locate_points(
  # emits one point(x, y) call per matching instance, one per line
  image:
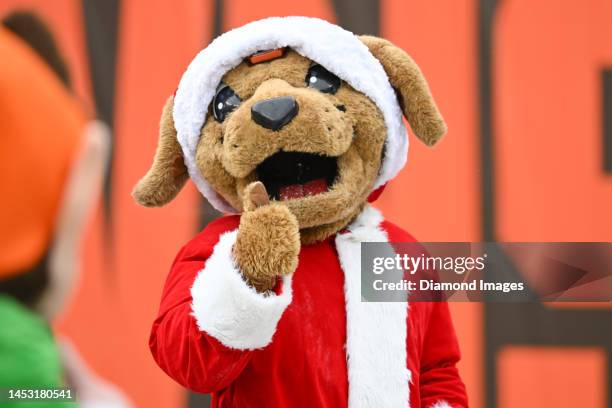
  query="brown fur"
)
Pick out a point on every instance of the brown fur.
point(268, 245)
point(255, 196)
point(406, 77)
point(229, 152)
point(168, 173)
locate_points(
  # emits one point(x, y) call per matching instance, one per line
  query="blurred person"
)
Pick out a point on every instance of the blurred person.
point(52, 160)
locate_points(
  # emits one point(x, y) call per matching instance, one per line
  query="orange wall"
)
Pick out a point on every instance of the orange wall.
point(548, 120)
point(550, 183)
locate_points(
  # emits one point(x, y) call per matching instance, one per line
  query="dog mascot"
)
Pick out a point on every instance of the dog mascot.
point(293, 125)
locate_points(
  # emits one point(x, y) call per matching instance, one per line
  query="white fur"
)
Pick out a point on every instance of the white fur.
point(441, 404)
point(376, 332)
point(338, 50)
point(228, 309)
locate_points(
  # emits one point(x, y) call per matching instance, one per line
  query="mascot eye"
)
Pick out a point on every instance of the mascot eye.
point(224, 102)
point(321, 79)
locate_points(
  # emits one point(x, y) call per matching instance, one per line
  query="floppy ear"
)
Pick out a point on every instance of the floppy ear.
point(412, 89)
point(168, 173)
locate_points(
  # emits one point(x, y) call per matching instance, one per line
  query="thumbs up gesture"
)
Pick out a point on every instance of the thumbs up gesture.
point(268, 242)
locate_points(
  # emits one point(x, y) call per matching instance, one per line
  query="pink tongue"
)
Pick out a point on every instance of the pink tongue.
point(311, 188)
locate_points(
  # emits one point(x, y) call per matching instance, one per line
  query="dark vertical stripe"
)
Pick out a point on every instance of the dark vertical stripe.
point(359, 16)
point(218, 18)
point(607, 120)
point(195, 400)
point(101, 31)
point(486, 13)
point(207, 212)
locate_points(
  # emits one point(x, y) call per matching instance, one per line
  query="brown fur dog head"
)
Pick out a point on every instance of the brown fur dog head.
point(315, 142)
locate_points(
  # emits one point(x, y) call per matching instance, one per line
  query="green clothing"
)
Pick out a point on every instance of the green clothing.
point(29, 357)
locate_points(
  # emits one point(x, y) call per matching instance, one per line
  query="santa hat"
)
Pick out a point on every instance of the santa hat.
point(338, 50)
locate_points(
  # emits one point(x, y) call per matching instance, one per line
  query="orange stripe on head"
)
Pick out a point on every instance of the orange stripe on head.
point(265, 56)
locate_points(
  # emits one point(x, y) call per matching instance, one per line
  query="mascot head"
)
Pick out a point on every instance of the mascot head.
point(309, 109)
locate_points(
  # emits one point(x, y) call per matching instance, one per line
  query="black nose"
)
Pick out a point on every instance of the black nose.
point(274, 113)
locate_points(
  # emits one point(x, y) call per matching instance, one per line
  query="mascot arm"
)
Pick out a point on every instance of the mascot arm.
point(210, 320)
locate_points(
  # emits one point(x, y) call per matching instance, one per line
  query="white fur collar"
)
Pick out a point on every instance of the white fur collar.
point(376, 332)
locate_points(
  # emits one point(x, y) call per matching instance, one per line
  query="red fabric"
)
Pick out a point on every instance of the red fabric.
point(376, 193)
point(305, 365)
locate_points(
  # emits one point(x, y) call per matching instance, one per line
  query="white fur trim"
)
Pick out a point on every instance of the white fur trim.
point(376, 332)
point(228, 309)
point(338, 50)
point(441, 404)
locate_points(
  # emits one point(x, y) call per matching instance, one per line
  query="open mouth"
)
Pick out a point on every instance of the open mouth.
point(290, 175)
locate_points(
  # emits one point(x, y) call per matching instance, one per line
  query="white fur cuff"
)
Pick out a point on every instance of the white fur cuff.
point(441, 404)
point(229, 310)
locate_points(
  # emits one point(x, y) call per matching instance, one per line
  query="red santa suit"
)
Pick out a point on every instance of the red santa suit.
point(313, 343)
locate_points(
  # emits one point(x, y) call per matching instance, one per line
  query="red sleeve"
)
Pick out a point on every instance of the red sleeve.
point(439, 378)
point(193, 358)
